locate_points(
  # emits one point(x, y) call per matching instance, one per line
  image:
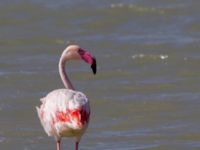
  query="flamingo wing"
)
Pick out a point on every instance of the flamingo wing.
point(64, 112)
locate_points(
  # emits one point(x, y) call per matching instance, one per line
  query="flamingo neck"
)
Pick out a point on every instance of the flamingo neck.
point(67, 83)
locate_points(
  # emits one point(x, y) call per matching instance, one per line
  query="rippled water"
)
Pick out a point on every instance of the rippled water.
point(145, 95)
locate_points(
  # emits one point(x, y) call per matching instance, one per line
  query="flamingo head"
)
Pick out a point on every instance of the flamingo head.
point(76, 52)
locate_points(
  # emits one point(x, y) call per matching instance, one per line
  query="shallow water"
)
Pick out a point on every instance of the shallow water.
point(145, 95)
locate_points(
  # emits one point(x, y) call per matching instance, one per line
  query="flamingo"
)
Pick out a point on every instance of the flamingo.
point(66, 112)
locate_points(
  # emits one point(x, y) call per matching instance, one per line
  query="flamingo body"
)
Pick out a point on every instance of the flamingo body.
point(64, 113)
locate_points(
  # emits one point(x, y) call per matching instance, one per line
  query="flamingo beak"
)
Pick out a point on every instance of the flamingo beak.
point(87, 57)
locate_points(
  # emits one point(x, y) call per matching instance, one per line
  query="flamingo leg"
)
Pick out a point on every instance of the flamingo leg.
point(58, 145)
point(77, 143)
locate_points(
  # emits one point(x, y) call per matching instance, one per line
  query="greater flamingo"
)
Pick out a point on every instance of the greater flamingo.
point(66, 112)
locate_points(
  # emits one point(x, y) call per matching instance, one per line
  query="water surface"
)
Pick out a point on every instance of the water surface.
point(145, 95)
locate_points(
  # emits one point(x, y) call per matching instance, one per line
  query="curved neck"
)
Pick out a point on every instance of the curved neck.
point(63, 75)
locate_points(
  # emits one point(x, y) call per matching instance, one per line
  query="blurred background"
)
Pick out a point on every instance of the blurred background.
point(145, 95)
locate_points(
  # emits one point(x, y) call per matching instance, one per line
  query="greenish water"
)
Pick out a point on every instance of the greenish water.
point(145, 95)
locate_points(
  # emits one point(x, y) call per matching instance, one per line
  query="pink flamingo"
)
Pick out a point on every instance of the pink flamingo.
point(66, 112)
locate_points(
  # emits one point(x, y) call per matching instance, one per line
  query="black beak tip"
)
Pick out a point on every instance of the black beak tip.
point(94, 66)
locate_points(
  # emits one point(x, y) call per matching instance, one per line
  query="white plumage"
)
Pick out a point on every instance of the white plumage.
point(63, 101)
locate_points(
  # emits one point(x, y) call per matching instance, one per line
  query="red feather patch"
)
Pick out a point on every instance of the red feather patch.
point(79, 115)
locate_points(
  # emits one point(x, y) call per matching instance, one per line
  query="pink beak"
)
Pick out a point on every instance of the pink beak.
point(87, 57)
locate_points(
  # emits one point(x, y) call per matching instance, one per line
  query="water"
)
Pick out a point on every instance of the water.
point(145, 95)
